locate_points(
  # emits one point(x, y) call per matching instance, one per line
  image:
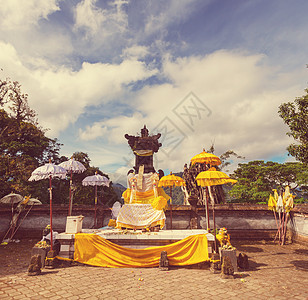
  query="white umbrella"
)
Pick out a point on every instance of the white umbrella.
point(48, 171)
point(11, 198)
point(73, 166)
point(34, 201)
point(96, 180)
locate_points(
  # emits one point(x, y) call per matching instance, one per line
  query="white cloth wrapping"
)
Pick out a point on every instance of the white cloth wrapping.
point(147, 182)
point(139, 215)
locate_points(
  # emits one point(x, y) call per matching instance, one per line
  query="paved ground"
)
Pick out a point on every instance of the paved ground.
point(276, 272)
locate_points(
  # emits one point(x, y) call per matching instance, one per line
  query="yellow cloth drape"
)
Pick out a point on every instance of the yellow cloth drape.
point(94, 250)
point(144, 197)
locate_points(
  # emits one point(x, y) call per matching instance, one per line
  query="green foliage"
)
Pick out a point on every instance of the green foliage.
point(295, 115)
point(24, 147)
point(257, 179)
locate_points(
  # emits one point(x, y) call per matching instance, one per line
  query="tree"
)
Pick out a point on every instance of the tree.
point(257, 179)
point(23, 145)
point(295, 115)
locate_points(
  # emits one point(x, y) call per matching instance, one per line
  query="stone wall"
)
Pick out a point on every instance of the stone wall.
point(243, 221)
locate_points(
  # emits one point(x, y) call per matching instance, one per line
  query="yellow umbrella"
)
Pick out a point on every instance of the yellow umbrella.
point(207, 158)
point(272, 203)
point(209, 178)
point(171, 180)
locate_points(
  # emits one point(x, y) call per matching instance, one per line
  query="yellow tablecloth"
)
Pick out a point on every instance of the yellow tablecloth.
point(140, 216)
point(94, 250)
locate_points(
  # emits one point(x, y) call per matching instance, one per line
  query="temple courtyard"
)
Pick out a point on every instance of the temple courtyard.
point(275, 272)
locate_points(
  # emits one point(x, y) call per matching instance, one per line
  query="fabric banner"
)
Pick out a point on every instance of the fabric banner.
point(94, 250)
point(139, 216)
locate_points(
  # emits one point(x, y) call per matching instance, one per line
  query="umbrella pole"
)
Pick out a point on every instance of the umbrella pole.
point(95, 206)
point(70, 197)
point(50, 203)
point(207, 211)
point(22, 220)
point(170, 207)
point(276, 225)
point(285, 228)
point(214, 223)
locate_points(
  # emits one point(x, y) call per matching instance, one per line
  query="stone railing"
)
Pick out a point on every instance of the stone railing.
point(243, 221)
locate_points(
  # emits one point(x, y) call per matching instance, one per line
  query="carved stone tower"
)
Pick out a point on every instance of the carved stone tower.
point(144, 147)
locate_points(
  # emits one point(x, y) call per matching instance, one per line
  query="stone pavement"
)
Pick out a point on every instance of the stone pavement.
point(276, 272)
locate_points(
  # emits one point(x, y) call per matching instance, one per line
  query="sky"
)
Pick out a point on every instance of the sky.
point(200, 72)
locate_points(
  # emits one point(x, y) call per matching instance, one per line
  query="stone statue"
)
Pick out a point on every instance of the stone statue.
point(144, 146)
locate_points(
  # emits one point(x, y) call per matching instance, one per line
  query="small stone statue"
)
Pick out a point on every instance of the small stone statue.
point(51, 260)
point(227, 270)
point(242, 261)
point(193, 224)
point(215, 263)
point(163, 261)
point(35, 265)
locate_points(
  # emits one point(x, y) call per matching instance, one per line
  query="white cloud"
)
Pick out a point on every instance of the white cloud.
point(100, 22)
point(60, 96)
point(92, 132)
point(89, 16)
point(243, 94)
point(18, 14)
point(135, 51)
point(172, 12)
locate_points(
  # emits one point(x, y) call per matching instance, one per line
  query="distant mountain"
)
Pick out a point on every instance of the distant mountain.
point(119, 189)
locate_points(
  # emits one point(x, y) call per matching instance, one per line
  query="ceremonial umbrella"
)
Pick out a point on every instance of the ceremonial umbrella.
point(95, 180)
point(207, 158)
point(73, 166)
point(26, 202)
point(212, 160)
point(11, 198)
point(48, 171)
point(209, 178)
point(171, 180)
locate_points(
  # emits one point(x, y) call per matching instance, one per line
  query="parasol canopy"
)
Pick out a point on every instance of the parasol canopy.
point(34, 201)
point(210, 178)
point(207, 158)
point(73, 166)
point(96, 180)
point(48, 171)
point(213, 177)
point(11, 198)
point(171, 180)
point(272, 203)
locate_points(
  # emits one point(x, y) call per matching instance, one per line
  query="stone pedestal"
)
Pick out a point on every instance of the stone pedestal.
point(42, 252)
point(231, 254)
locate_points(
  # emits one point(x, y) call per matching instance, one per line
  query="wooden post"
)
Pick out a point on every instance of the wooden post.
point(70, 206)
point(170, 207)
point(50, 203)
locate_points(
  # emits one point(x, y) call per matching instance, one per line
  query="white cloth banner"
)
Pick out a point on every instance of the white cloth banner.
point(139, 215)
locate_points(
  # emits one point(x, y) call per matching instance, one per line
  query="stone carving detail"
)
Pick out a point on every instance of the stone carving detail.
point(163, 261)
point(227, 270)
point(35, 265)
point(144, 146)
point(242, 261)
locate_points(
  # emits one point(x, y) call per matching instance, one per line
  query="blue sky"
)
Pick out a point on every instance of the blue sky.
point(199, 72)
